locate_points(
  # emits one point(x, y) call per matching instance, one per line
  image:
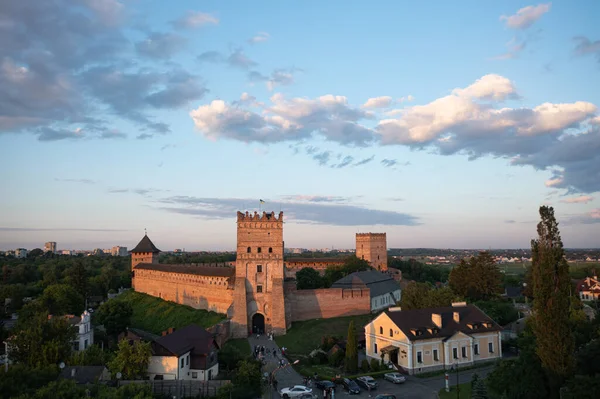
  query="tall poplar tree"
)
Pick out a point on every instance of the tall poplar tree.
point(551, 290)
point(351, 350)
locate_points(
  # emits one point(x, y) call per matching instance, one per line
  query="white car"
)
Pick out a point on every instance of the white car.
point(396, 378)
point(295, 391)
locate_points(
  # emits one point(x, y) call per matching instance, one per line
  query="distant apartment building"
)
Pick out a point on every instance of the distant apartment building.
point(67, 252)
point(118, 251)
point(50, 246)
point(21, 253)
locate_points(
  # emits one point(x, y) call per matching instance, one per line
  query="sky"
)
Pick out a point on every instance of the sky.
point(444, 124)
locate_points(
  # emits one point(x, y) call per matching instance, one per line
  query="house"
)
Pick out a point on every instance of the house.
point(85, 331)
point(424, 340)
point(85, 374)
point(384, 289)
point(512, 330)
point(588, 288)
point(186, 354)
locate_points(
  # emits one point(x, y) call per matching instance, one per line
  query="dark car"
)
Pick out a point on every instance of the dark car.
point(351, 386)
point(367, 382)
point(385, 396)
point(324, 384)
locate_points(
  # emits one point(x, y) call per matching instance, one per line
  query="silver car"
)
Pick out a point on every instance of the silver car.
point(396, 378)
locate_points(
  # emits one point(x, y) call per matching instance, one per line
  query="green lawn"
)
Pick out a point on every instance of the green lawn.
point(304, 336)
point(464, 393)
point(156, 315)
point(241, 344)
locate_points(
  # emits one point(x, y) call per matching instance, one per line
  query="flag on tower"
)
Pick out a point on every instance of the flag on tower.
point(262, 202)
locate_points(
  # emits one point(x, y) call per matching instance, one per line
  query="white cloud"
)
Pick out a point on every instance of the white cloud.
point(259, 37)
point(582, 199)
point(406, 99)
point(195, 19)
point(554, 182)
point(526, 16)
point(378, 102)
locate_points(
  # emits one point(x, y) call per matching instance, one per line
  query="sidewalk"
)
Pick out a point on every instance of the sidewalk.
point(439, 382)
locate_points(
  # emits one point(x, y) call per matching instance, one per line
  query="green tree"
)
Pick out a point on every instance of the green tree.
point(581, 387)
point(78, 278)
point(115, 315)
point(92, 356)
point(308, 279)
point(229, 357)
point(502, 312)
point(38, 341)
point(354, 264)
point(34, 253)
point(351, 362)
point(422, 295)
point(131, 360)
point(479, 391)
point(62, 299)
point(20, 379)
point(247, 380)
point(477, 279)
point(551, 306)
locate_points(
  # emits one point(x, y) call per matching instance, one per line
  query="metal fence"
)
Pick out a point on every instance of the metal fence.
point(182, 388)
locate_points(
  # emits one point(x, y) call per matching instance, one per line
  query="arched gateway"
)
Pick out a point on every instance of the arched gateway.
point(258, 323)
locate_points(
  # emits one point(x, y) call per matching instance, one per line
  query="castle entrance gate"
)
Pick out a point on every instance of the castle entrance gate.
point(258, 323)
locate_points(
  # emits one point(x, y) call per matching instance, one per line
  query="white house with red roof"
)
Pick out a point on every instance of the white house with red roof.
point(588, 288)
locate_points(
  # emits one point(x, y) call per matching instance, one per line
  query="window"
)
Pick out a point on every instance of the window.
point(391, 332)
point(258, 268)
point(194, 374)
point(476, 349)
point(436, 357)
point(85, 344)
point(259, 288)
point(419, 357)
point(464, 351)
point(259, 250)
point(249, 250)
point(182, 359)
point(187, 360)
point(380, 328)
point(270, 250)
point(491, 347)
point(375, 348)
point(455, 353)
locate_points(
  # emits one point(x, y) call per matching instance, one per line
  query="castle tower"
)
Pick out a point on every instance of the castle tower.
point(372, 247)
point(144, 252)
point(258, 302)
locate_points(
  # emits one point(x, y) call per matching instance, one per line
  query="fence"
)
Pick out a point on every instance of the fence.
point(182, 388)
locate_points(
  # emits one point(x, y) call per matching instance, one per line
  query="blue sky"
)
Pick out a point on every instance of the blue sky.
point(444, 124)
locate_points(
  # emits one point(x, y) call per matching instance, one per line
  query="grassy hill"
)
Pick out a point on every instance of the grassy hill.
point(156, 315)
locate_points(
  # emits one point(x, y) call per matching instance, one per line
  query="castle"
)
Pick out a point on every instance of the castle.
point(252, 290)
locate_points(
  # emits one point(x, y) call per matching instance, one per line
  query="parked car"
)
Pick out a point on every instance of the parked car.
point(385, 396)
point(295, 391)
point(367, 382)
point(324, 384)
point(351, 386)
point(396, 378)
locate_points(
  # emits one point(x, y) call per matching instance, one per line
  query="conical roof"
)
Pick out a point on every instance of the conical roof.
point(145, 245)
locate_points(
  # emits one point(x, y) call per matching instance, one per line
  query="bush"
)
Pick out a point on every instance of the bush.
point(337, 358)
point(364, 366)
point(327, 342)
point(318, 356)
point(375, 365)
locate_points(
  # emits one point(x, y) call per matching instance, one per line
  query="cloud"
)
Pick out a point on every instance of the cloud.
point(510, 221)
point(146, 192)
point(388, 163)
point(378, 102)
point(314, 198)
point(259, 38)
point(144, 136)
point(526, 16)
point(591, 217)
point(582, 199)
point(553, 182)
point(322, 157)
point(16, 229)
point(235, 59)
point(406, 99)
point(299, 212)
point(160, 45)
point(51, 134)
point(195, 19)
point(364, 161)
point(211, 56)
point(113, 134)
point(278, 77)
point(82, 181)
point(586, 47)
point(396, 199)
point(515, 47)
point(284, 119)
point(346, 161)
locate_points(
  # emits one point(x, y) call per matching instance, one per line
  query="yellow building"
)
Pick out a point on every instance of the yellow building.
point(424, 340)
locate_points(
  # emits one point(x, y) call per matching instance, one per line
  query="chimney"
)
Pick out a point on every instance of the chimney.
point(170, 330)
point(458, 304)
point(73, 371)
point(457, 317)
point(395, 309)
point(164, 333)
point(436, 318)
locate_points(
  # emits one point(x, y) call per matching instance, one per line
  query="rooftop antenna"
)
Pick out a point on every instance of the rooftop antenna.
point(145, 232)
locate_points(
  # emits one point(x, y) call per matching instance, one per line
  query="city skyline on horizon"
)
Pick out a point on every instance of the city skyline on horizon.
point(445, 126)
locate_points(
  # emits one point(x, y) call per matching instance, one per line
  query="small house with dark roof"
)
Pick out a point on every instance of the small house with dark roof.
point(84, 375)
point(189, 353)
point(423, 340)
point(384, 289)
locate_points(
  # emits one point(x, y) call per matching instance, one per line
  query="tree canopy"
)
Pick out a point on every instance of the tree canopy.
point(422, 295)
point(477, 279)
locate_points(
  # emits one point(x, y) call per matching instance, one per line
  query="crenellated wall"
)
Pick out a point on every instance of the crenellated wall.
point(327, 303)
point(200, 292)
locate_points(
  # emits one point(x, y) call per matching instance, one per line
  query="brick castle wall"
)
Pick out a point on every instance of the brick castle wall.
point(292, 267)
point(327, 303)
point(200, 292)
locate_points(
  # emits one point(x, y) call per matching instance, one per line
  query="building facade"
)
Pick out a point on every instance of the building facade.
point(384, 290)
point(423, 340)
point(118, 251)
point(372, 247)
point(252, 291)
point(50, 246)
point(588, 288)
point(21, 253)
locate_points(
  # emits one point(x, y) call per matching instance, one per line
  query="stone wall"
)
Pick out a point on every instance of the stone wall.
point(221, 331)
point(372, 247)
point(199, 292)
point(327, 303)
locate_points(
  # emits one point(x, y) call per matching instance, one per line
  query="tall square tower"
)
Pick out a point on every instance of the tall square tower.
point(372, 247)
point(258, 302)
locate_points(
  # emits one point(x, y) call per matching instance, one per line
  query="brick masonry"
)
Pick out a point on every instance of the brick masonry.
point(327, 303)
